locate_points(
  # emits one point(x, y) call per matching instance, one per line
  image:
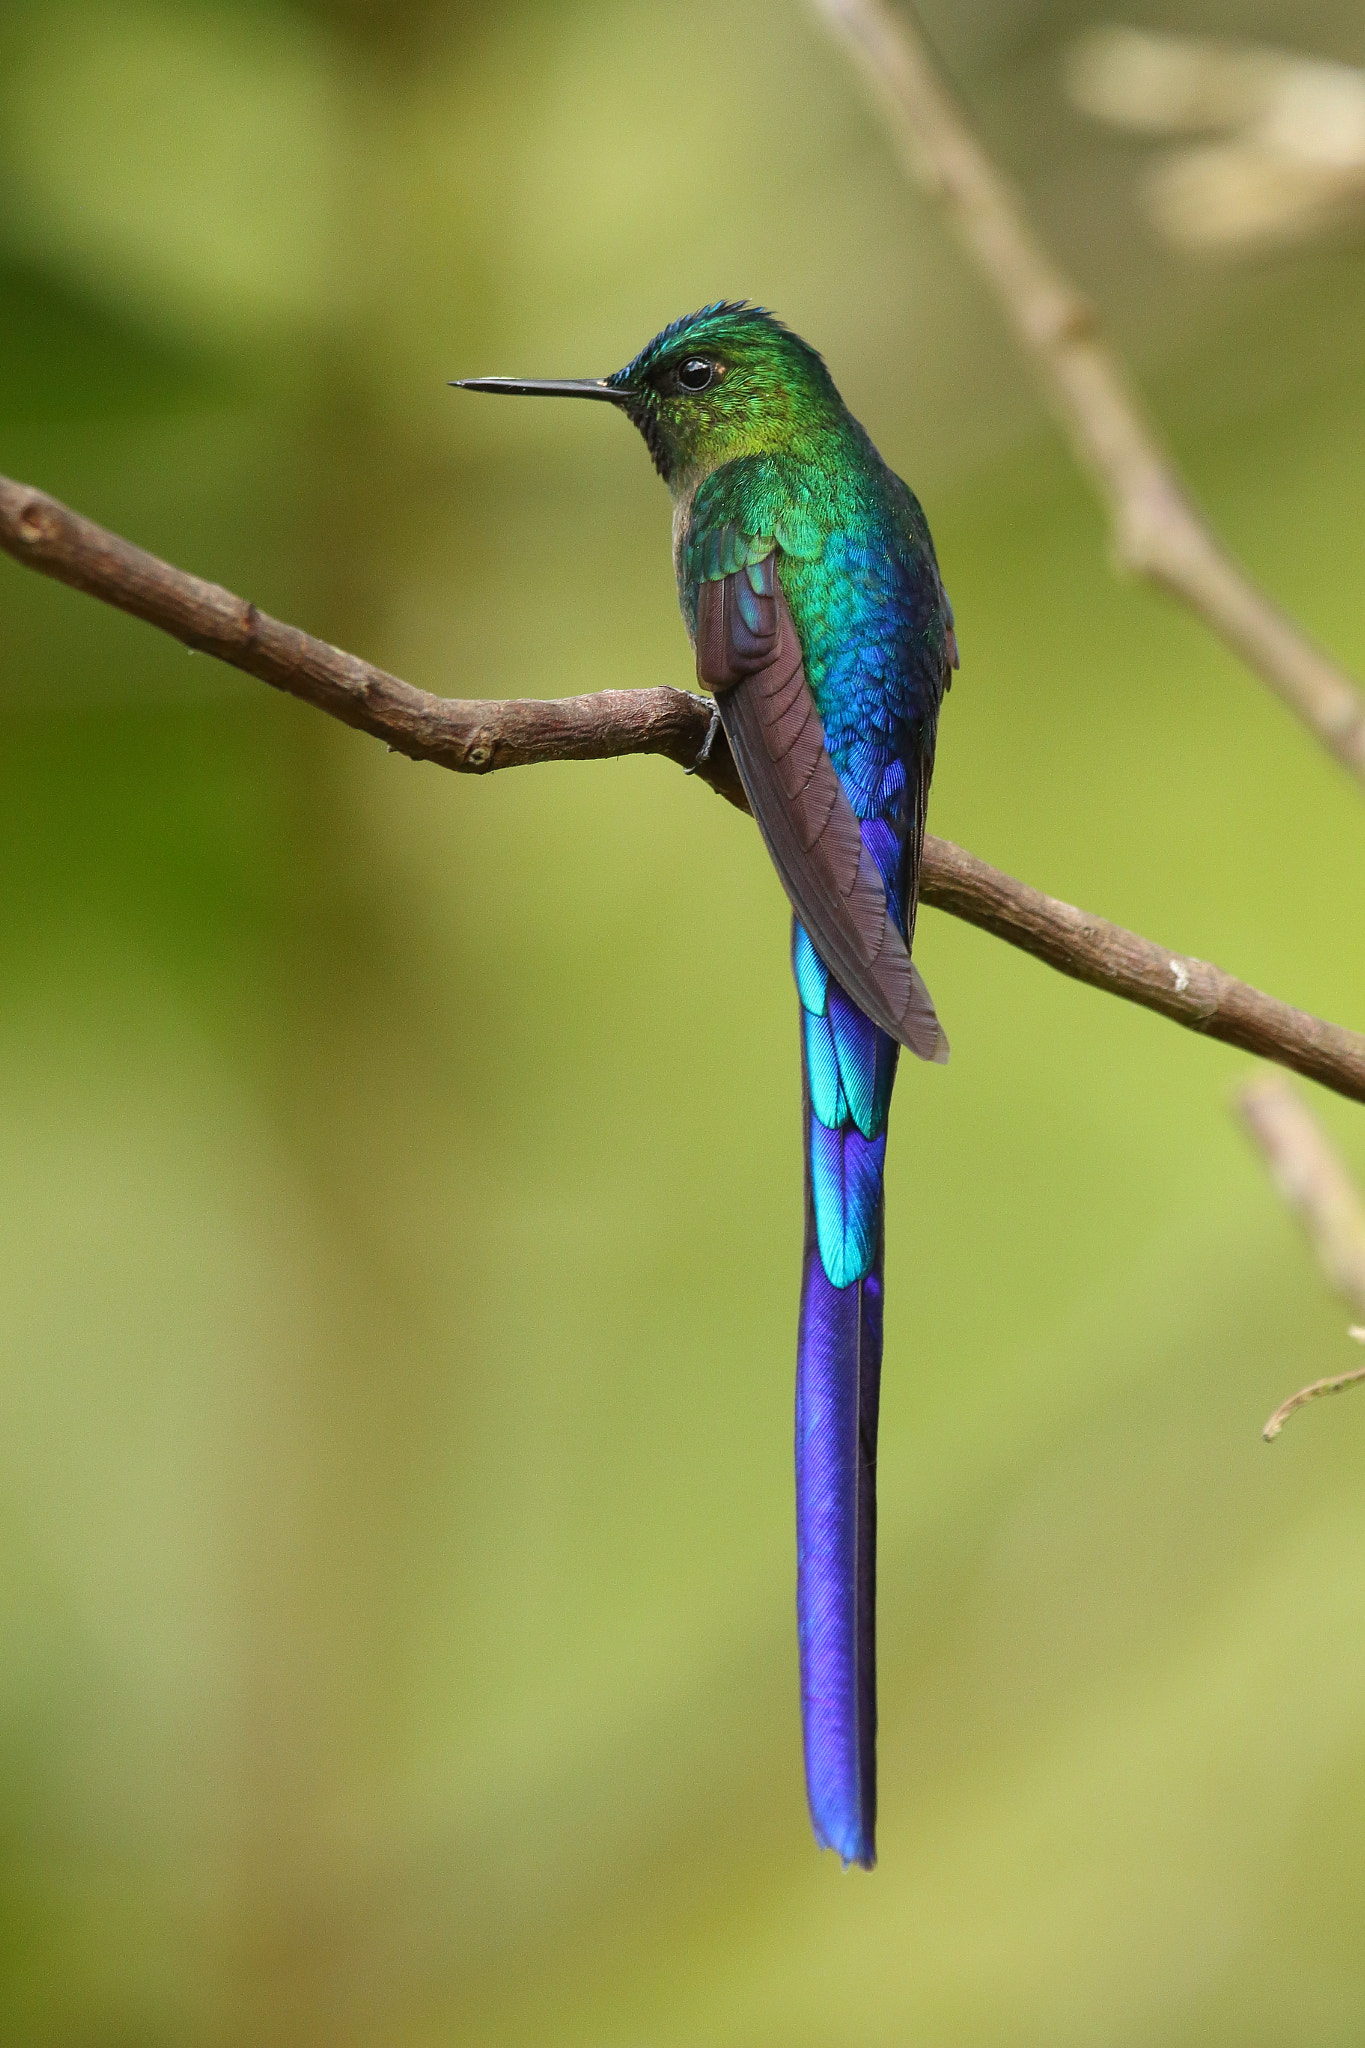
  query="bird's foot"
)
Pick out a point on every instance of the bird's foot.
point(704, 754)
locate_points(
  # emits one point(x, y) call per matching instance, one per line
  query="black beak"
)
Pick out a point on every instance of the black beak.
point(566, 387)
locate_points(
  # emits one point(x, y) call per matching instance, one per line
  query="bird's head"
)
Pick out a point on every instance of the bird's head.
point(730, 380)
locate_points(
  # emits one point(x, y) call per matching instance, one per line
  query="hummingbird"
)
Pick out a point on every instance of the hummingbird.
point(812, 596)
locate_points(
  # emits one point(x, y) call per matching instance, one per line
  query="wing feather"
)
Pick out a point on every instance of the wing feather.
point(750, 656)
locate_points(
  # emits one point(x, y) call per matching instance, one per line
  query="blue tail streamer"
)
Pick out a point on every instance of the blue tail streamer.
point(838, 1380)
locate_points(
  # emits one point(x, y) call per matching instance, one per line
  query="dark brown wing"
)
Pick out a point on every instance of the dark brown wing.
point(749, 654)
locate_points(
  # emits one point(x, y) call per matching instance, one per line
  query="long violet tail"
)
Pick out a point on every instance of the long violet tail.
point(839, 1363)
point(848, 1069)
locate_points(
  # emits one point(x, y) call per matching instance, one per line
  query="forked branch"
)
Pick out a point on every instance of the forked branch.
point(475, 737)
point(1157, 532)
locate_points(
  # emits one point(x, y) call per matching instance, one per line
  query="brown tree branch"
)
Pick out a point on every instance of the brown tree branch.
point(1157, 532)
point(475, 737)
point(1188, 991)
point(1321, 1193)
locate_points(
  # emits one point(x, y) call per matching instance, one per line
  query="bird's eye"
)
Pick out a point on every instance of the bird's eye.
point(696, 373)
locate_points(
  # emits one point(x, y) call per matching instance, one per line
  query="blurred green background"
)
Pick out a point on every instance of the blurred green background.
point(400, 1201)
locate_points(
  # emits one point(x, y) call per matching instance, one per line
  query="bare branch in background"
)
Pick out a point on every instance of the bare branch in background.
point(1335, 1385)
point(1322, 1195)
point(1312, 1180)
point(475, 737)
point(1280, 158)
point(1157, 531)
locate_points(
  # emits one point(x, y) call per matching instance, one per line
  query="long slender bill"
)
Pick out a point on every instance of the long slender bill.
point(546, 387)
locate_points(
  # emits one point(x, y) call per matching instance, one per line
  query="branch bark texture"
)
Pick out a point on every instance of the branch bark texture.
point(1157, 532)
point(471, 735)
point(479, 735)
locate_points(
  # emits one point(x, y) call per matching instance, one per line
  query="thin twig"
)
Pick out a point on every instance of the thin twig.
point(479, 736)
point(1157, 532)
point(1307, 1394)
point(1317, 1187)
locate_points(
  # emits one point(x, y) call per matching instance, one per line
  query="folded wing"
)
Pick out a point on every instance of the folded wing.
point(749, 655)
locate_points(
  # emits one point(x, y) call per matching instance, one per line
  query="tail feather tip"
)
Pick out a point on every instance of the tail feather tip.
point(855, 1849)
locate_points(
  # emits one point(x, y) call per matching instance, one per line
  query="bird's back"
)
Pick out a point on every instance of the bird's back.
point(858, 570)
point(876, 633)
